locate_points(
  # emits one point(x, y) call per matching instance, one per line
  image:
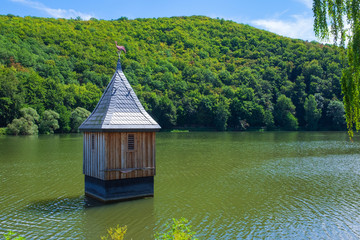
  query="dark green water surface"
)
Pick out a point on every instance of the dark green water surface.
point(233, 185)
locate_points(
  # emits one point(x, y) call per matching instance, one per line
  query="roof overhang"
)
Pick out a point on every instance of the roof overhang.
point(121, 128)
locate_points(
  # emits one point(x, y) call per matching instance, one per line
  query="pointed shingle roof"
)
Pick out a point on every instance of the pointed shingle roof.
point(119, 109)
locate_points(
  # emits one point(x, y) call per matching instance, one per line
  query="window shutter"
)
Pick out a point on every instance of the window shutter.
point(131, 142)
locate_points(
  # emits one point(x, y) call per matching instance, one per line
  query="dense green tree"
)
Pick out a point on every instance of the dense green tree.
point(284, 111)
point(11, 96)
point(187, 71)
point(269, 120)
point(165, 112)
point(336, 112)
point(64, 118)
point(49, 122)
point(222, 114)
point(298, 95)
point(312, 113)
point(78, 116)
point(248, 111)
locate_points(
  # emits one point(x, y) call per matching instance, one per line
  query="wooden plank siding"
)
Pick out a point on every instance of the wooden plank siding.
point(94, 155)
point(110, 157)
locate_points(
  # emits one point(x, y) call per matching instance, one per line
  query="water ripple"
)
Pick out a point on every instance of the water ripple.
point(229, 185)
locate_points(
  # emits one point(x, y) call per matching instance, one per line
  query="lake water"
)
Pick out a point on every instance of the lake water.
point(230, 185)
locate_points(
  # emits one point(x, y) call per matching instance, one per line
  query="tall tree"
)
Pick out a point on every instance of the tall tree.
point(77, 117)
point(336, 113)
point(284, 113)
point(343, 16)
point(312, 113)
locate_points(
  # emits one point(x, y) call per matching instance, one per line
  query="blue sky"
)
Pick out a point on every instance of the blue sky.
point(291, 18)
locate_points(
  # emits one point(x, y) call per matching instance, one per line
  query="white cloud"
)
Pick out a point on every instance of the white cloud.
point(299, 26)
point(57, 13)
point(307, 3)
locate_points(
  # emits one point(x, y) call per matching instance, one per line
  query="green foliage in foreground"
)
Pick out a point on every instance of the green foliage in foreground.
point(179, 230)
point(12, 236)
point(341, 20)
point(188, 72)
point(3, 131)
point(117, 233)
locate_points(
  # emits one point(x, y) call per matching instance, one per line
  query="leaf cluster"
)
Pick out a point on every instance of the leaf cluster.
point(116, 233)
point(341, 20)
point(179, 230)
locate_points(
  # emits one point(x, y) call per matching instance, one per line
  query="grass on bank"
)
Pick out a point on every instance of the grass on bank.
point(179, 131)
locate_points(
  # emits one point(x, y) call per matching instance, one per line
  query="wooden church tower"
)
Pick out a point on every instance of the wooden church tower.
point(119, 145)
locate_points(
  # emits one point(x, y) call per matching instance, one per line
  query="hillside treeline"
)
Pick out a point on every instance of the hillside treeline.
point(187, 72)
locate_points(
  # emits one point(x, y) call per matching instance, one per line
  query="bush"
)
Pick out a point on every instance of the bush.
point(25, 125)
point(49, 122)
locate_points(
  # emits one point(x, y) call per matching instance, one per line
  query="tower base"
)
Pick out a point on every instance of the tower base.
point(119, 190)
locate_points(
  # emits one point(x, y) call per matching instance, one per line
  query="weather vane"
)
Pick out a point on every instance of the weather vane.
point(120, 48)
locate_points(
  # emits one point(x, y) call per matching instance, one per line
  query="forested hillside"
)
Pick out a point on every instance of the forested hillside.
point(187, 72)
